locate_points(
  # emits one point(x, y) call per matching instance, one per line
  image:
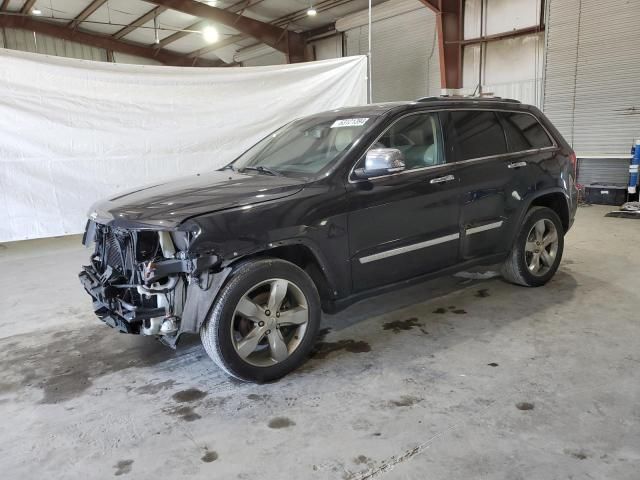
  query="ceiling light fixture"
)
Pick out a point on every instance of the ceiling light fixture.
point(210, 34)
point(312, 12)
point(36, 11)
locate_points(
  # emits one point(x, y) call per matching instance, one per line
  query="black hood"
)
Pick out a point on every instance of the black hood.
point(170, 203)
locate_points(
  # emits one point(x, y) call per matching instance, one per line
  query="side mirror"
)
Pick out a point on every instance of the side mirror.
point(381, 161)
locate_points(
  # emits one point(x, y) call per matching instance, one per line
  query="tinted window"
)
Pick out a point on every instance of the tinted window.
point(524, 132)
point(416, 137)
point(478, 134)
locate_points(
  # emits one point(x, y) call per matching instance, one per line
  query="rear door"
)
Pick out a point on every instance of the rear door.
point(406, 224)
point(478, 147)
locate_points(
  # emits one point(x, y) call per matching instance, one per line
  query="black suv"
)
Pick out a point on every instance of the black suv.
point(325, 211)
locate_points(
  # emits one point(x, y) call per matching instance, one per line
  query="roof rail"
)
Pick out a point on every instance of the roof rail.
point(467, 97)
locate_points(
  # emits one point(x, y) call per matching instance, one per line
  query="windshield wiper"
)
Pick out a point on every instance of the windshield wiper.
point(262, 169)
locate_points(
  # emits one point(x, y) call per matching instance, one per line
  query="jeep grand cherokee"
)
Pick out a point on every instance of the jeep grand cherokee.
point(325, 211)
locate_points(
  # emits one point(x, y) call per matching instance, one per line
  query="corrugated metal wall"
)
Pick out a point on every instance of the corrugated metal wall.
point(405, 58)
point(273, 58)
point(605, 171)
point(592, 76)
point(38, 43)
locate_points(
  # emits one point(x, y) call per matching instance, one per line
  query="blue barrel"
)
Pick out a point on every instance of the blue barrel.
point(633, 167)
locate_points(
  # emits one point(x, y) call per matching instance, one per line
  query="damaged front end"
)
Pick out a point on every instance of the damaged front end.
point(148, 282)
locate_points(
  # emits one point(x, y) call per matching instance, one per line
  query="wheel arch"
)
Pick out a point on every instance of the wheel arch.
point(304, 256)
point(556, 201)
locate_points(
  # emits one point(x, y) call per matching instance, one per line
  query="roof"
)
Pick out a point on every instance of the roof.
point(164, 24)
point(447, 101)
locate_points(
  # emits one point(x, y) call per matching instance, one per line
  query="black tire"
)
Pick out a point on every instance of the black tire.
point(515, 269)
point(216, 331)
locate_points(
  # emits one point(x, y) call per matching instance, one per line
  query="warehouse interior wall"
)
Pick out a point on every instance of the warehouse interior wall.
point(511, 68)
point(404, 50)
point(33, 42)
point(592, 80)
point(405, 58)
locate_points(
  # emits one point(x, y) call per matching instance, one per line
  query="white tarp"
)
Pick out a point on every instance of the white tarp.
point(74, 131)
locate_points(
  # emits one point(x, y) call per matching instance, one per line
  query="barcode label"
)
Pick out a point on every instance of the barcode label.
point(349, 122)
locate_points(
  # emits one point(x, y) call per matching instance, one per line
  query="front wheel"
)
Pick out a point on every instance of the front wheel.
point(264, 322)
point(537, 250)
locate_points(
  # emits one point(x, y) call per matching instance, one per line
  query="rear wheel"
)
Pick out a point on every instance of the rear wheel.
point(537, 251)
point(264, 322)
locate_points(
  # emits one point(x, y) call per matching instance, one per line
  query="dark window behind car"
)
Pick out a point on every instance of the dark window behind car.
point(473, 134)
point(524, 132)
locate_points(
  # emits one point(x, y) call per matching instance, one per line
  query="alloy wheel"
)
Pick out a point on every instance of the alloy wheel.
point(269, 322)
point(541, 248)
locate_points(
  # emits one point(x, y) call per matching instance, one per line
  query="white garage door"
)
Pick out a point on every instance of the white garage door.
point(405, 57)
point(592, 78)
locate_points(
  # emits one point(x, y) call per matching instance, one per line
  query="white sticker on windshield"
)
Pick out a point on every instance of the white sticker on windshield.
point(349, 122)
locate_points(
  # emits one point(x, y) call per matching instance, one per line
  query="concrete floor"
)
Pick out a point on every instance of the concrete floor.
point(454, 379)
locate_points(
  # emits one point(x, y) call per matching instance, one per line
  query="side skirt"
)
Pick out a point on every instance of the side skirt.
point(334, 306)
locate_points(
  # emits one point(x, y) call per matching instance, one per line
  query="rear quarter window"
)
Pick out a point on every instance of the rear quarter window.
point(473, 134)
point(524, 132)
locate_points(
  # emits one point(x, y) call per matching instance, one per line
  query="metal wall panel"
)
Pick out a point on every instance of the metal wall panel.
point(604, 171)
point(405, 60)
point(273, 58)
point(592, 74)
point(330, 47)
point(39, 43)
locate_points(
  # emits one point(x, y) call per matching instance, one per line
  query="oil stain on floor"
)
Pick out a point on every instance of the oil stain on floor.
point(406, 401)
point(483, 293)
point(183, 412)
point(209, 456)
point(64, 366)
point(123, 467)
point(322, 349)
point(189, 395)
point(397, 326)
point(280, 422)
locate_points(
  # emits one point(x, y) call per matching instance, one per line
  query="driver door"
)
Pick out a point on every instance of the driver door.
point(405, 224)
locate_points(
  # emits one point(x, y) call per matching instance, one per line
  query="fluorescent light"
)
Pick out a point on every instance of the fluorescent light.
point(36, 11)
point(210, 34)
point(312, 12)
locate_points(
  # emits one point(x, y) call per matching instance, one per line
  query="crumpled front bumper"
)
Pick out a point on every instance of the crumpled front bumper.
point(112, 310)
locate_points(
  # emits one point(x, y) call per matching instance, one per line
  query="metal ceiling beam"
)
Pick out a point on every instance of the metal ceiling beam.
point(87, 12)
point(502, 36)
point(450, 29)
point(26, 7)
point(99, 41)
point(281, 22)
point(150, 15)
point(199, 25)
point(4, 5)
point(449, 23)
point(434, 5)
point(290, 43)
point(210, 48)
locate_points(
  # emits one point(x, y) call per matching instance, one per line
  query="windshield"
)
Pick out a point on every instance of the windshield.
point(304, 147)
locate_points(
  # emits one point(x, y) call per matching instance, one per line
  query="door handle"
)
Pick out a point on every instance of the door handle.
point(446, 178)
point(517, 164)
